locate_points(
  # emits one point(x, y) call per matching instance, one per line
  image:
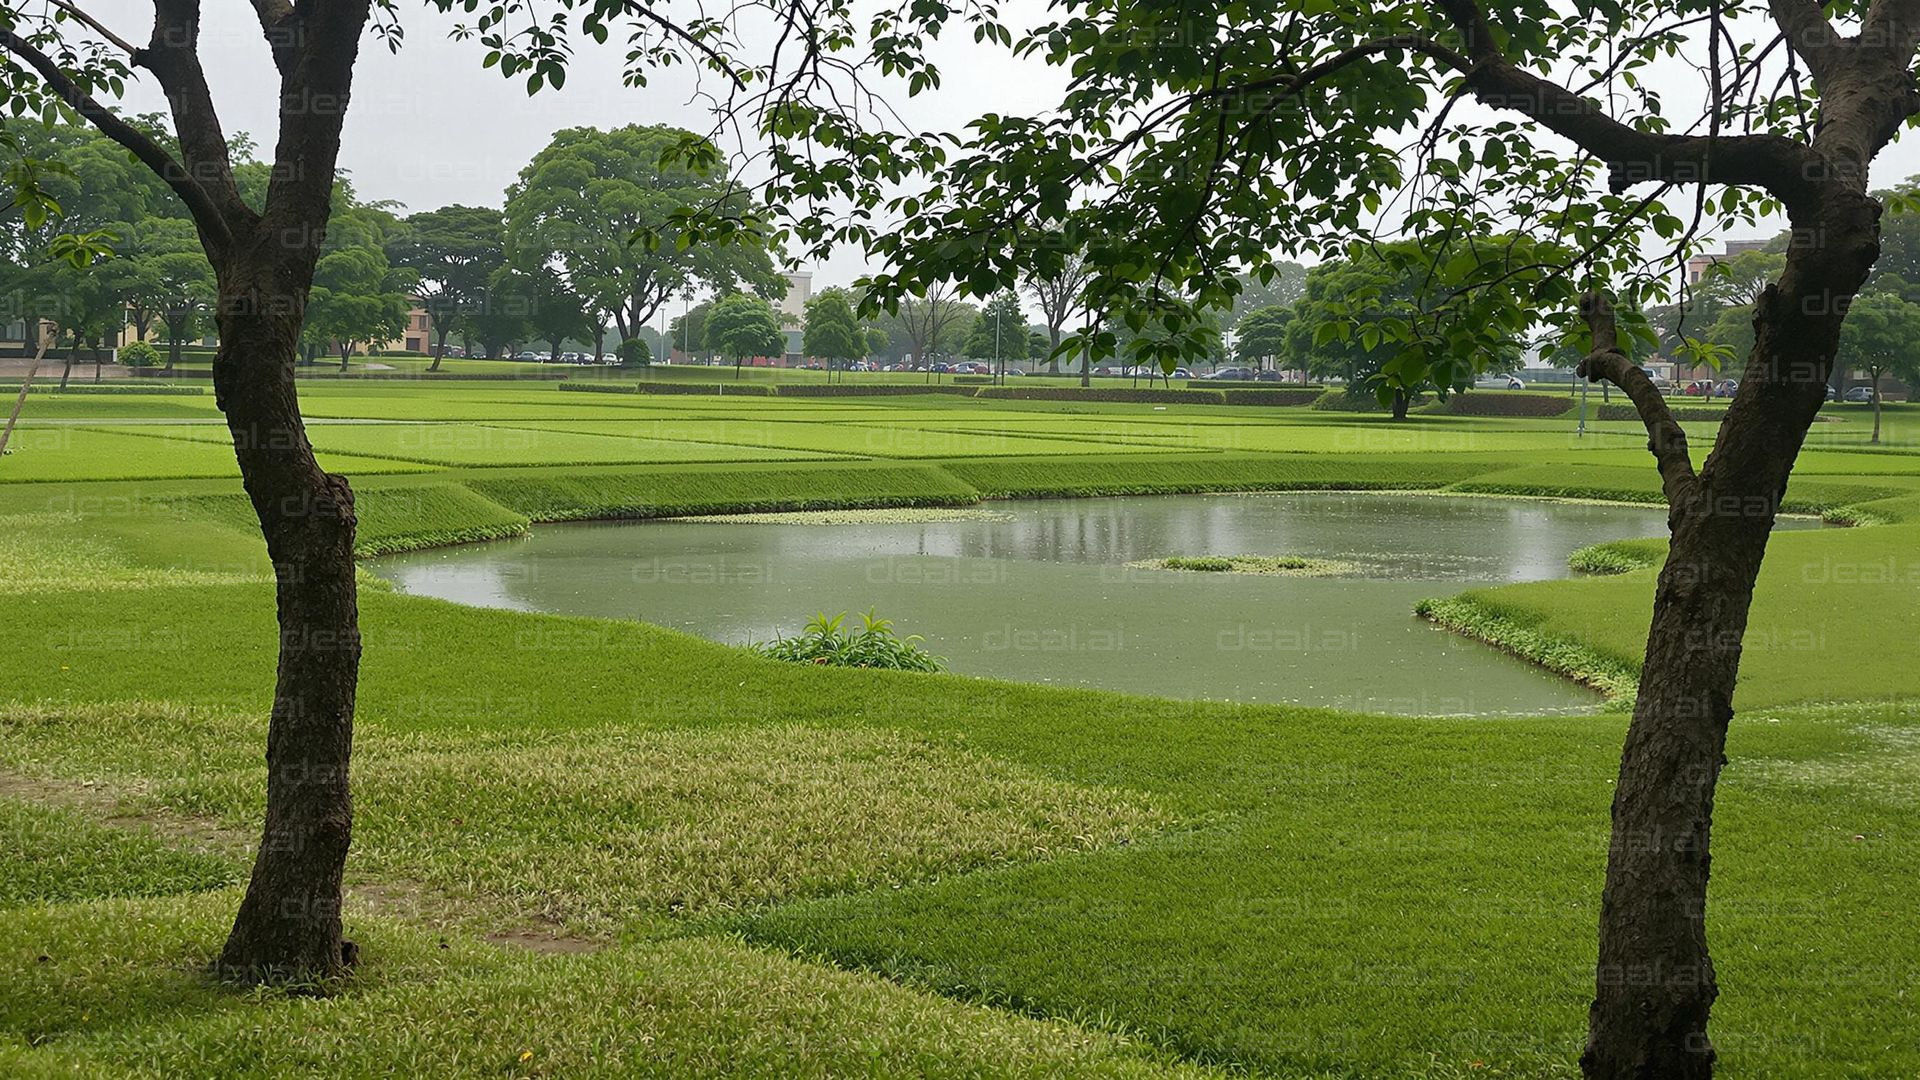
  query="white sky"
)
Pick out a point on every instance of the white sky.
point(429, 127)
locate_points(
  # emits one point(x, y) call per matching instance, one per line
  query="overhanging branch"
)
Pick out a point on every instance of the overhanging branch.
point(1665, 438)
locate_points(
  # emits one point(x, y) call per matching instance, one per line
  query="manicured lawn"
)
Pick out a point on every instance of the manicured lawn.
point(757, 868)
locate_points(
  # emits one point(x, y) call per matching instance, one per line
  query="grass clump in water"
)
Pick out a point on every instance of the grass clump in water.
point(829, 642)
point(1284, 565)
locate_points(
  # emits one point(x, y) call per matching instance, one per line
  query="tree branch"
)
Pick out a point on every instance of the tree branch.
point(172, 55)
point(1784, 168)
point(95, 25)
point(1665, 438)
point(151, 154)
point(1811, 37)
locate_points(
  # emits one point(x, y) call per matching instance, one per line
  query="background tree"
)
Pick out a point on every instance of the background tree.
point(1260, 337)
point(1882, 337)
point(452, 253)
point(556, 313)
point(930, 321)
point(687, 331)
point(358, 297)
point(999, 332)
point(600, 208)
point(832, 332)
point(1056, 288)
point(1286, 285)
point(742, 325)
point(503, 318)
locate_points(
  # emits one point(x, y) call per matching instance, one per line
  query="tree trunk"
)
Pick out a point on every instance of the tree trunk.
point(439, 348)
point(346, 351)
point(73, 357)
point(288, 925)
point(1053, 349)
point(1654, 981)
point(1400, 402)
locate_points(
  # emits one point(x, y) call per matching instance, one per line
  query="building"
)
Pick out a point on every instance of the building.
point(1698, 266)
point(793, 306)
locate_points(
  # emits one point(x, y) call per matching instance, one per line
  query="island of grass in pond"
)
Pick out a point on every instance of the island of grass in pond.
point(1286, 565)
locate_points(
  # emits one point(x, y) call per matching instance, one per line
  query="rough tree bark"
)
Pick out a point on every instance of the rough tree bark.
point(288, 926)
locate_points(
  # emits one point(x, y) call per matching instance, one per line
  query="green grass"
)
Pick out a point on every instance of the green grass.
point(791, 870)
point(56, 855)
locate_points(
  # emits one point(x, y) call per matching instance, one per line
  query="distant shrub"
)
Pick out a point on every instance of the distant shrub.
point(634, 352)
point(1507, 403)
point(138, 354)
point(973, 380)
point(828, 642)
point(1109, 394)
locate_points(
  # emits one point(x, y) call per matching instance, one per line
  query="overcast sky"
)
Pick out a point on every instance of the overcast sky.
point(429, 127)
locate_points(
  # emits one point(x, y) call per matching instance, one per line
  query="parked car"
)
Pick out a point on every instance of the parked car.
point(527, 357)
point(1515, 382)
point(1860, 395)
point(1266, 376)
point(1832, 394)
point(1727, 388)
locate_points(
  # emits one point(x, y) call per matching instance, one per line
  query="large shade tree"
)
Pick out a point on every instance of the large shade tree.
point(603, 211)
point(452, 253)
point(1210, 135)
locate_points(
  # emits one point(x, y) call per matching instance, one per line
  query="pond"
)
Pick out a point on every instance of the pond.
point(1040, 591)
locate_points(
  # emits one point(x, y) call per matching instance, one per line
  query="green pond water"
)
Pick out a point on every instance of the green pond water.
point(1046, 596)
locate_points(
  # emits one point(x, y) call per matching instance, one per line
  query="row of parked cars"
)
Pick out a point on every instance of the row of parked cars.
point(529, 357)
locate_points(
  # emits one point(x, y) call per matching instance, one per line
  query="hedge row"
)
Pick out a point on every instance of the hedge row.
point(1299, 395)
point(734, 389)
point(52, 386)
point(1508, 404)
point(1628, 412)
point(1248, 384)
point(870, 390)
point(1117, 393)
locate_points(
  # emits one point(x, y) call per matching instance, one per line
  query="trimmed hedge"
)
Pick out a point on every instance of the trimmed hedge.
point(1509, 403)
point(1109, 394)
point(1198, 383)
point(45, 385)
point(1682, 412)
point(602, 387)
point(1299, 395)
point(973, 380)
point(712, 389)
point(875, 390)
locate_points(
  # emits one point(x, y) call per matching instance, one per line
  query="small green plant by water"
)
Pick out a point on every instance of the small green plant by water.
point(829, 642)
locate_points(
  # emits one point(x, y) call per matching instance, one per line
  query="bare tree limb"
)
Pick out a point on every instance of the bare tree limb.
point(173, 56)
point(95, 25)
point(206, 213)
point(1665, 438)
